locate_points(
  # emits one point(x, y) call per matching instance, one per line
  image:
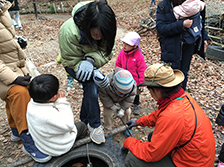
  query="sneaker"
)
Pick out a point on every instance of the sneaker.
point(15, 26)
point(38, 156)
point(15, 135)
point(70, 81)
point(110, 138)
point(30, 148)
point(126, 133)
point(89, 128)
point(97, 134)
point(20, 28)
point(15, 138)
point(136, 110)
point(221, 164)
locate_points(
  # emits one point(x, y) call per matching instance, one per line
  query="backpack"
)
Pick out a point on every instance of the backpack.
point(192, 34)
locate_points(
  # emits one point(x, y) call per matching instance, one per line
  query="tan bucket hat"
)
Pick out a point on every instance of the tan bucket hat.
point(160, 75)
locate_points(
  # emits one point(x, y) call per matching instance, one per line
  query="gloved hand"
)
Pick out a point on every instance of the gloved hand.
point(115, 108)
point(22, 80)
point(22, 42)
point(131, 123)
point(124, 150)
point(120, 113)
point(85, 70)
point(100, 80)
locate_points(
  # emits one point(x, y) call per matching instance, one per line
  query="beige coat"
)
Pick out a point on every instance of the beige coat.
point(12, 57)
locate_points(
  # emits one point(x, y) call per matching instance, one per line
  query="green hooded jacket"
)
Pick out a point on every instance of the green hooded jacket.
point(72, 52)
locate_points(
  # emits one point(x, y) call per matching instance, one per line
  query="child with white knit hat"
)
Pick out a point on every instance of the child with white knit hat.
point(118, 97)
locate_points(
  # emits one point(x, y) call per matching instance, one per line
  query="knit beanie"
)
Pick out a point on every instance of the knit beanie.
point(123, 81)
point(132, 38)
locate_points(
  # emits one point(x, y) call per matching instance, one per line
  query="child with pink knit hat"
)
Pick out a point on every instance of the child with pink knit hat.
point(131, 59)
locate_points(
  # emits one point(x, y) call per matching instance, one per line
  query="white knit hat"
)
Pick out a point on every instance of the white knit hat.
point(123, 81)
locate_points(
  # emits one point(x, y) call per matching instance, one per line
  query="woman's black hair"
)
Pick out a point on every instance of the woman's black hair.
point(43, 87)
point(99, 15)
point(167, 91)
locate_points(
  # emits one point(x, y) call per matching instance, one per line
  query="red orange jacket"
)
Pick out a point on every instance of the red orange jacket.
point(174, 125)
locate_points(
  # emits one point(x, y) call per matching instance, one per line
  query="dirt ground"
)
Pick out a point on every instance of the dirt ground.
point(205, 77)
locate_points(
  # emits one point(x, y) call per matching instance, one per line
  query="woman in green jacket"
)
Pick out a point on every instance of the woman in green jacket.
point(86, 43)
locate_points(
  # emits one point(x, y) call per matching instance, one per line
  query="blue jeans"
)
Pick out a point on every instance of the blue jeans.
point(90, 109)
point(16, 14)
point(153, 1)
point(187, 52)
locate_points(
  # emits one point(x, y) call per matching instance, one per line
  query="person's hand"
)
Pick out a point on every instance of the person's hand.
point(100, 80)
point(131, 123)
point(120, 113)
point(220, 128)
point(22, 80)
point(85, 70)
point(124, 150)
point(187, 23)
point(115, 108)
point(62, 93)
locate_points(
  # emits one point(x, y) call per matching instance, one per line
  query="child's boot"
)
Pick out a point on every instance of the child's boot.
point(30, 148)
point(69, 83)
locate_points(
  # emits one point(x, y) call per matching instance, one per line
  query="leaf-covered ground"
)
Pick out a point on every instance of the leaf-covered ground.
point(206, 82)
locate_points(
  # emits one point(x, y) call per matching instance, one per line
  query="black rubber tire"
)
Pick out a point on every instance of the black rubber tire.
point(108, 152)
point(215, 53)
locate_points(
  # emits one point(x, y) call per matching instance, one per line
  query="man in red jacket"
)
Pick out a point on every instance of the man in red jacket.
point(183, 134)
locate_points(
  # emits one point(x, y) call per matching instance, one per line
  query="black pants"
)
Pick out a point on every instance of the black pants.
point(82, 130)
point(132, 161)
point(136, 101)
point(221, 154)
point(185, 62)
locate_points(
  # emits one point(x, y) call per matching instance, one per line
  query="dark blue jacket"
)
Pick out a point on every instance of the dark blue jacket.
point(169, 31)
point(16, 5)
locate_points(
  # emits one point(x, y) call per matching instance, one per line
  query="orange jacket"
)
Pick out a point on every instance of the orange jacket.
point(174, 125)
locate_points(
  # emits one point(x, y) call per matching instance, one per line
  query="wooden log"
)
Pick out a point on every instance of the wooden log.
point(21, 162)
point(78, 143)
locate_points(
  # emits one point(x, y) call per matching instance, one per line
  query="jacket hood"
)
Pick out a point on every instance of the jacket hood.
point(83, 40)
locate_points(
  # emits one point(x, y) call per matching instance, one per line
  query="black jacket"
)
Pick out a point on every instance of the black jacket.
point(16, 5)
point(220, 117)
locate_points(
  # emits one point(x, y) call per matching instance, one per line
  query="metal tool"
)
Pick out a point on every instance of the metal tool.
point(125, 126)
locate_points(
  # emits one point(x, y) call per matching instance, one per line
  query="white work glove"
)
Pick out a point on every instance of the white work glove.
point(100, 80)
point(85, 69)
point(120, 113)
point(115, 108)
